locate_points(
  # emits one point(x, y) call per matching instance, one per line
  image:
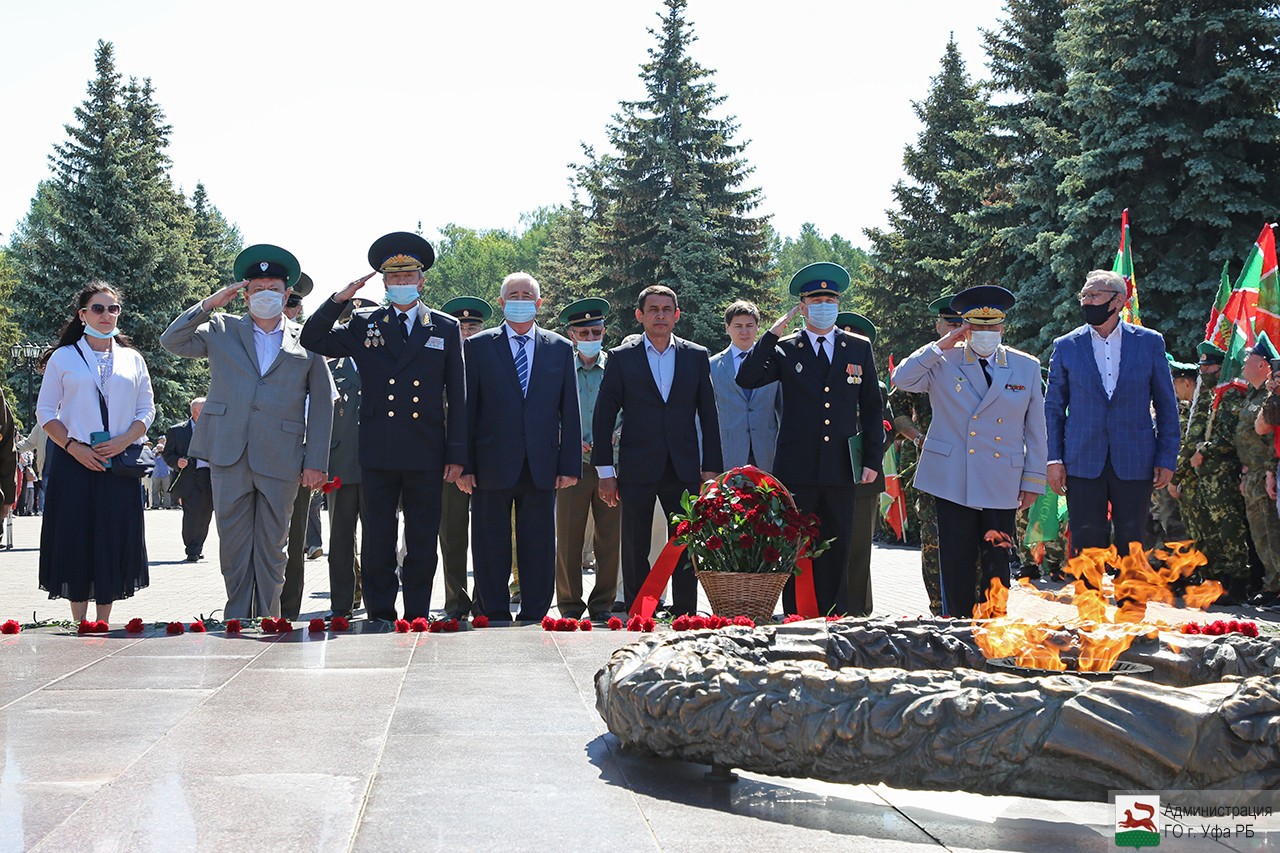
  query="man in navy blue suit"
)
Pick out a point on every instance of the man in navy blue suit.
point(1108, 450)
point(525, 442)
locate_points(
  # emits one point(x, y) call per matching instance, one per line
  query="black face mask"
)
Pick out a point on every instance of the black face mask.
point(1096, 315)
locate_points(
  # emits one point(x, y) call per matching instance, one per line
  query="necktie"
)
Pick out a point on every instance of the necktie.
point(742, 356)
point(822, 352)
point(522, 364)
point(404, 325)
point(985, 372)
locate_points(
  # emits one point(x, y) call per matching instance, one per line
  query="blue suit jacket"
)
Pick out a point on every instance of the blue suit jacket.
point(1121, 426)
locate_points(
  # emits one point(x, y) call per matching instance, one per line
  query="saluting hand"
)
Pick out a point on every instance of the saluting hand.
point(785, 320)
point(953, 337)
point(223, 297)
point(350, 290)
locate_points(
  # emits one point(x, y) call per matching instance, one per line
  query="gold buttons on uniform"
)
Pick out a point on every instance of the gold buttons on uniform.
point(997, 455)
point(971, 432)
point(826, 438)
point(827, 388)
point(970, 449)
point(391, 396)
point(997, 438)
point(828, 405)
point(391, 414)
point(999, 420)
point(415, 399)
point(391, 382)
point(827, 422)
point(416, 383)
point(975, 417)
point(415, 414)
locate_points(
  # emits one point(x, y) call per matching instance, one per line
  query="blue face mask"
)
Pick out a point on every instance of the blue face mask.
point(94, 333)
point(402, 294)
point(589, 349)
point(519, 310)
point(822, 315)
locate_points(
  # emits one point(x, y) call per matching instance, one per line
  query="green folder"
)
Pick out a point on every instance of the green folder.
point(855, 455)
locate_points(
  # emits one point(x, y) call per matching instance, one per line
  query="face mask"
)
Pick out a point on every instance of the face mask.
point(94, 333)
point(822, 315)
point(266, 304)
point(984, 344)
point(589, 349)
point(519, 310)
point(1096, 315)
point(402, 294)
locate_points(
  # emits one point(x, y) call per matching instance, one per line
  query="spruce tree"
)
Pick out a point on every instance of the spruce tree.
point(1174, 104)
point(926, 250)
point(217, 240)
point(671, 201)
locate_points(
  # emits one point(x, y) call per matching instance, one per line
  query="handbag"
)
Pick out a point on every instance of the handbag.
point(135, 461)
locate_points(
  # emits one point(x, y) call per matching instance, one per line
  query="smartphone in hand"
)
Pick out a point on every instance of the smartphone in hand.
point(97, 437)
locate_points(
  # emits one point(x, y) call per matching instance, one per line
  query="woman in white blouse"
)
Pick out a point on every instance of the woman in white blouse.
point(92, 541)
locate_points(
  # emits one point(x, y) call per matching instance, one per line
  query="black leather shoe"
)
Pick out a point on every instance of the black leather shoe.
point(191, 559)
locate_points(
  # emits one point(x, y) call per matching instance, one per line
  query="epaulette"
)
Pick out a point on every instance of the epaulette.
point(1017, 351)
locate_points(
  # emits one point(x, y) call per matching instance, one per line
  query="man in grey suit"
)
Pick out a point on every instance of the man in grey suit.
point(254, 422)
point(985, 454)
point(748, 416)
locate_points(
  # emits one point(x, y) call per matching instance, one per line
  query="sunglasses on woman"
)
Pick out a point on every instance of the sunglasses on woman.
point(98, 308)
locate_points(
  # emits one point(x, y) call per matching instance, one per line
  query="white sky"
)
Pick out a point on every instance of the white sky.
point(320, 127)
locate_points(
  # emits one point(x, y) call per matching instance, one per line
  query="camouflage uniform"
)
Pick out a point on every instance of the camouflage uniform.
point(917, 406)
point(1257, 457)
point(1166, 520)
point(1211, 506)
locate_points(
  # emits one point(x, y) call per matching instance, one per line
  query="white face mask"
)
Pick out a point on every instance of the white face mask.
point(266, 304)
point(984, 344)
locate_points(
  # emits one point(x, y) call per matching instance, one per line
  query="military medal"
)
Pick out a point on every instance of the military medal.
point(854, 371)
point(799, 367)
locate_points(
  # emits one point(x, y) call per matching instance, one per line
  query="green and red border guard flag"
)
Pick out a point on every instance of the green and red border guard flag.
point(1130, 313)
point(1252, 308)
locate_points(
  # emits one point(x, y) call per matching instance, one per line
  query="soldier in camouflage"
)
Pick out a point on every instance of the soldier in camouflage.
point(1206, 482)
point(1166, 523)
point(912, 423)
point(1258, 460)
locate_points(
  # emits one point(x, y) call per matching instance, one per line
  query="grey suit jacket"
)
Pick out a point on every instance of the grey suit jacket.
point(745, 427)
point(984, 445)
point(263, 416)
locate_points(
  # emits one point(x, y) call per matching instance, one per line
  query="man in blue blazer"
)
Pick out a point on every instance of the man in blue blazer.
point(661, 384)
point(525, 442)
point(1107, 450)
point(748, 416)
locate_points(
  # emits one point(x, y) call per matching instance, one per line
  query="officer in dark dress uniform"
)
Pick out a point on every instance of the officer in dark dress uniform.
point(455, 515)
point(829, 396)
point(410, 363)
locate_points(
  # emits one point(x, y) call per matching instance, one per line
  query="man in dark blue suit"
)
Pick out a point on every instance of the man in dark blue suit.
point(1107, 450)
point(662, 386)
point(410, 363)
point(522, 404)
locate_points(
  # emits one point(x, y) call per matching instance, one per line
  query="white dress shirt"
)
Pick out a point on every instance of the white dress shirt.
point(515, 345)
point(267, 345)
point(828, 342)
point(69, 392)
point(739, 356)
point(1106, 352)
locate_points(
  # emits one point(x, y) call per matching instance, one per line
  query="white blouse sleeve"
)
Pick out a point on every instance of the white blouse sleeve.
point(144, 407)
point(51, 393)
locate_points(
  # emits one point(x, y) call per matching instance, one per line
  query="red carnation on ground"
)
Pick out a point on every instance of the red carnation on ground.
point(1191, 628)
point(85, 628)
point(316, 626)
point(331, 486)
point(419, 625)
point(792, 617)
point(134, 626)
point(566, 624)
point(435, 627)
point(10, 627)
point(174, 628)
point(744, 621)
point(268, 625)
point(680, 623)
point(233, 626)
point(480, 621)
point(697, 623)
point(283, 626)
point(834, 617)
point(340, 623)
point(548, 623)
point(614, 623)
point(584, 625)
point(402, 626)
point(197, 627)
point(717, 621)
point(451, 626)
point(635, 623)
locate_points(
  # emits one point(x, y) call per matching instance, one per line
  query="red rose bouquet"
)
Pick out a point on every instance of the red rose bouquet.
point(746, 521)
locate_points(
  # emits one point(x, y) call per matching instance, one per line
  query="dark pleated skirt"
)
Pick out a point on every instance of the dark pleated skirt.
point(92, 541)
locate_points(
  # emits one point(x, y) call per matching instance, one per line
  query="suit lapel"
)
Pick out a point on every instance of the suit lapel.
point(389, 325)
point(999, 378)
point(502, 352)
point(539, 339)
point(728, 369)
point(289, 346)
point(246, 338)
point(1086, 353)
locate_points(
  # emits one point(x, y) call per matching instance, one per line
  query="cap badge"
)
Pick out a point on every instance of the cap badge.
point(263, 266)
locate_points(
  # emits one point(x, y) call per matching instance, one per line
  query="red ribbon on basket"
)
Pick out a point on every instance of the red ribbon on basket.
point(664, 567)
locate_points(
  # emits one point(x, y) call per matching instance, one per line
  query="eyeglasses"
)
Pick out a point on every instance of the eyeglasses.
point(1097, 297)
point(98, 308)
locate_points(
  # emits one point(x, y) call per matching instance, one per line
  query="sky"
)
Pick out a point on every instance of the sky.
point(320, 128)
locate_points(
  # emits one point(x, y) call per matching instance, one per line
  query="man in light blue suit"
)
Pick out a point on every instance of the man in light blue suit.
point(748, 416)
point(1108, 450)
point(983, 458)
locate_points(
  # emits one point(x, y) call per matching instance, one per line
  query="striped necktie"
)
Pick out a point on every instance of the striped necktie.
point(522, 364)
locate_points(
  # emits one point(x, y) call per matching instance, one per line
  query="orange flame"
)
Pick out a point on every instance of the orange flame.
point(1202, 595)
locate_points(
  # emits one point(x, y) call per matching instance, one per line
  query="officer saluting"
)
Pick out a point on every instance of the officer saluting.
point(984, 456)
point(829, 395)
point(410, 363)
